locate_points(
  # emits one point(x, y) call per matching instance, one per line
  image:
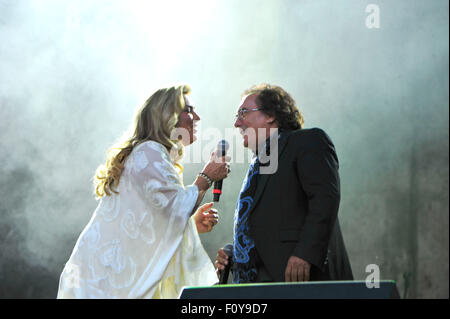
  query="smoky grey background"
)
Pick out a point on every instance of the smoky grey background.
point(72, 73)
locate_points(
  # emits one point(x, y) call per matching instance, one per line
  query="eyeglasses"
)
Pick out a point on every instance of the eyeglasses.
point(241, 113)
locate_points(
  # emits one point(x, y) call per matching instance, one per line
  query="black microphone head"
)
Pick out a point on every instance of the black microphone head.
point(223, 147)
point(228, 249)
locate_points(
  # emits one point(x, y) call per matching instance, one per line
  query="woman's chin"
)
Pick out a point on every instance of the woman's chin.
point(192, 139)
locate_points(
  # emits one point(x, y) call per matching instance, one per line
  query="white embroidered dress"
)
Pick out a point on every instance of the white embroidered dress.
point(140, 243)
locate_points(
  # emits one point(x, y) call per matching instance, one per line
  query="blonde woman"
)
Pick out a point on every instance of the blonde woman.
point(142, 240)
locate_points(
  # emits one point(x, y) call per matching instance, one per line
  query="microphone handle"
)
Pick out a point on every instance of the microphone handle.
point(217, 190)
point(224, 275)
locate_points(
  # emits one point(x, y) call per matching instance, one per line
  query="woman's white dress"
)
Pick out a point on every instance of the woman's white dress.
point(140, 243)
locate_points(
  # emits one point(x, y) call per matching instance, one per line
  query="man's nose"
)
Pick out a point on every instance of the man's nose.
point(237, 123)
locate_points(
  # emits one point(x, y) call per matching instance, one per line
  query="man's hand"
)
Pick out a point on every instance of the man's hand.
point(297, 269)
point(221, 261)
point(205, 218)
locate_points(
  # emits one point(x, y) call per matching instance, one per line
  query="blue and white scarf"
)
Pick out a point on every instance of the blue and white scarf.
point(244, 253)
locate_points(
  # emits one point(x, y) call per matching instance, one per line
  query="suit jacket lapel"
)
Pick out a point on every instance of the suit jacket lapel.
point(264, 178)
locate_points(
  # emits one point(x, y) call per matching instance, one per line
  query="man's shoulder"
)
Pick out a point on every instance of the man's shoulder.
point(308, 132)
point(310, 136)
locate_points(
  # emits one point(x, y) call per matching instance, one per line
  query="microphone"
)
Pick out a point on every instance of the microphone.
point(223, 278)
point(222, 148)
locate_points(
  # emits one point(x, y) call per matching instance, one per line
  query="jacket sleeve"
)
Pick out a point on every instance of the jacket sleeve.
point(317, 169)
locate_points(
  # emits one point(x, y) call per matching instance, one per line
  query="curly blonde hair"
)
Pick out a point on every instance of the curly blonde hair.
point(155, 120)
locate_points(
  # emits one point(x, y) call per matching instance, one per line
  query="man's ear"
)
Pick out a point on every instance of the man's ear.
point(271, 120)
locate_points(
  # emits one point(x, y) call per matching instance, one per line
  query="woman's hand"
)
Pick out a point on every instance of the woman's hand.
point(206, 218)
point(217, 168)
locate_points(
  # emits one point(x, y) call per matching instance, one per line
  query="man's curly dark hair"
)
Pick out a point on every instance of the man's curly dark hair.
point(276, 102)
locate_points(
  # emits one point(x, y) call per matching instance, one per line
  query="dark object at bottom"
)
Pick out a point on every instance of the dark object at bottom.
point(307, 290)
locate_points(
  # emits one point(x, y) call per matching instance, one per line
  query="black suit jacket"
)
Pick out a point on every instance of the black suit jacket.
point(295, 209)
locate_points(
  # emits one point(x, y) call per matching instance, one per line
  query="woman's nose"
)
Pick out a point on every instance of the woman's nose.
point(196, 117)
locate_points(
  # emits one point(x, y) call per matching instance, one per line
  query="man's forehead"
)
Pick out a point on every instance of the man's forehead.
point(248, 100)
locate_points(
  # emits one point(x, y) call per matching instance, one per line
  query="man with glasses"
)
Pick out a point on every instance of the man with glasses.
point(285, 224)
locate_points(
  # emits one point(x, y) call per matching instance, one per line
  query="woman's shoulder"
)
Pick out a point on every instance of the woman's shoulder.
point(153, 151)
point(151, 145)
